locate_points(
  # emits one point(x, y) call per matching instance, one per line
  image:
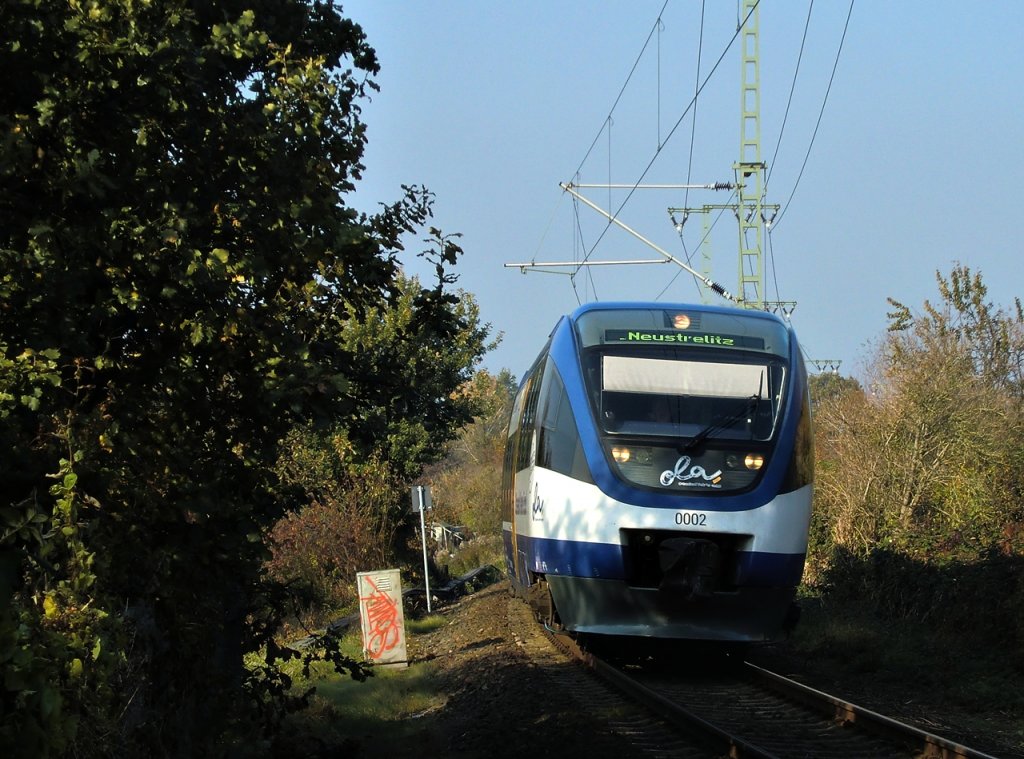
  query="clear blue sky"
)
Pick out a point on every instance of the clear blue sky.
point(490, 105)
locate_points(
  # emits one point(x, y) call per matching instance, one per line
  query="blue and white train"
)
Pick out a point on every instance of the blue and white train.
point(658, 473)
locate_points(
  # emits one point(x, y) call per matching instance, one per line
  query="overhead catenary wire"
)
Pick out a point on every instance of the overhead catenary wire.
point(693, 123)
point(578, 241)
point(668, 137)
point(817, 125)
point(775, 274)
point(661, 27)
point(789, 102)
point(607, 124)
point(623, 89)
point(705, 237)
point(778, 144)
point(691, 107)
point(693, 134)
point(577, 244)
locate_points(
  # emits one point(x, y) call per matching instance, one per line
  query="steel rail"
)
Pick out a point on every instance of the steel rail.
point(727, 742)
point(676, 715)
point(913, 738)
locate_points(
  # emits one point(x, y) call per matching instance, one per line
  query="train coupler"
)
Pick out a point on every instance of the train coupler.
point(688, 566)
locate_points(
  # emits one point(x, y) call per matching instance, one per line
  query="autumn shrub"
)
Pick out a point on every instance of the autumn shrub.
point(347, 527)
point(467, 482)
point(980, 601)
point(920, 484)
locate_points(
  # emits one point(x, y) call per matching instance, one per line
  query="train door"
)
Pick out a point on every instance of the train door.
point(520, 456)
point(508, 483)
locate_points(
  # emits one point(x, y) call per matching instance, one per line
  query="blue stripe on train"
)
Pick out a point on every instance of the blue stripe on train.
point(605, 561)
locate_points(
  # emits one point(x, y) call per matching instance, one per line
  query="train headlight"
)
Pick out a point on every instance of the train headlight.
point(680, 321)
point(621, 454)
point(753, 461)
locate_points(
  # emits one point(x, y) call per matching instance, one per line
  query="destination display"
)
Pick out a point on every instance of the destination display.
point(682, 338)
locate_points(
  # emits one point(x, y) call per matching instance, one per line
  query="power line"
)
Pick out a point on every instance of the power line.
point(821, 113)
point(671, 132)
point(721, 211)
point(661, 28)
point(775, 274)
point(624, 85)
point(792, 88)
point(578, 237)
point(693, 128)
point(782, 131)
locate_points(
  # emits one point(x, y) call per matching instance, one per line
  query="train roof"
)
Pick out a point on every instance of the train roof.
point(650, 323)
point(664, 306)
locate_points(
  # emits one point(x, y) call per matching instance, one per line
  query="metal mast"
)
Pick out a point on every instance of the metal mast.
point(750, 168)
point(750, 208)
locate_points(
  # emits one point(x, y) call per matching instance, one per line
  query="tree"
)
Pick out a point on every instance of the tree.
point(826, 386)
point(467, 483)
point(407, 374)
point(928, 461)
point(991, 338)
point(918, 503)
point(956, 371)
point(409, 379)
point(177, 262)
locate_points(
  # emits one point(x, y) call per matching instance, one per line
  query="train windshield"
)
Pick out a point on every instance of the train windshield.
point(683, 399)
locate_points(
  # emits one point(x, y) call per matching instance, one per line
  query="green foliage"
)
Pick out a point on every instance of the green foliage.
point(467, 483)
point(348, 525)
point(407, 378)
point(378, 717)
point(483, 550)
point(410, 371)
point(58, 650)
point(273, 687)
point(924, 470)
point(827, 386)
point(177, 270)
point(949, 596)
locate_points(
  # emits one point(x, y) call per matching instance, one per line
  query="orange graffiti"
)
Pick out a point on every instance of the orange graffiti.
point(382, 616)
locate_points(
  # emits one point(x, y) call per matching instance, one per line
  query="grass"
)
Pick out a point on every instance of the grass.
point(851, 638)
point(425, 625)
point(384, 709)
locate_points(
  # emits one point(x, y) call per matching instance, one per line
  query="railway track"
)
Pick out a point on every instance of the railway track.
point(737, 709)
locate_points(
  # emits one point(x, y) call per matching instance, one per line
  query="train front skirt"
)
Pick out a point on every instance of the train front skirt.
point(612, 607)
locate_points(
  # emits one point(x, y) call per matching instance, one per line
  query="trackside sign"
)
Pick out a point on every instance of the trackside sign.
point(382, 617)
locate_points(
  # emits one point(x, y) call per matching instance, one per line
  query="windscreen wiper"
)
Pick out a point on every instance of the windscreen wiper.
point(721, 423)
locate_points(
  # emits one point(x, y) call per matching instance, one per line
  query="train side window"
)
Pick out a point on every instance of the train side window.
point(507, 495)
point(551, 399)
point(558, 439)
point(511, 455)
point(522, 432)
point(800, 471)
point(528, 425)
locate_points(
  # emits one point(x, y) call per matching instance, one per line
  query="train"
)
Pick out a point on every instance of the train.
point(658, 474)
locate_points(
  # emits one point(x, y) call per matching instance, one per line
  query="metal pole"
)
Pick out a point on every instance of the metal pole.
point(423, 535)
point(713, 285)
